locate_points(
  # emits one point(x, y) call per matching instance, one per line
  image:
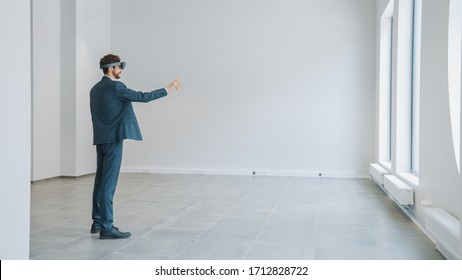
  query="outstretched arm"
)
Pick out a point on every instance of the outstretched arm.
point(137, 96)
point(130, 95)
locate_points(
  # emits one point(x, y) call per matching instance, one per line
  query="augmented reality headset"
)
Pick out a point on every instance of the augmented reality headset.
point(121, 64)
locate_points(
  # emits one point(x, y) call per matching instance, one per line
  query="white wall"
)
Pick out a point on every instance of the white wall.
point(91, 44)
point(15, 120)
point(283, 87)
point(68, 89)
point(440, 180)
point(69, 39)
point(84, 42)
point(46, 121)
point(68, 85)
point(262, 93)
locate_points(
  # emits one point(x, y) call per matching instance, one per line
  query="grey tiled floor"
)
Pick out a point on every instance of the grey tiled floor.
point(226, 217)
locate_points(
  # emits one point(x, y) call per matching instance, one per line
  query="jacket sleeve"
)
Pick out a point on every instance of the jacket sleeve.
point(127, 94)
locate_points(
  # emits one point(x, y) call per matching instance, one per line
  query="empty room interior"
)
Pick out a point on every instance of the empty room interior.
point(302, 130)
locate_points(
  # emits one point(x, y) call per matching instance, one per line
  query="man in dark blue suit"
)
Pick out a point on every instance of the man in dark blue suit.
point(113, 121)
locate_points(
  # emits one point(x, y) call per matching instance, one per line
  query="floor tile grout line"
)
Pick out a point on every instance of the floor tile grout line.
point(218, 219)
point(364, 219)
point(316, 217)
point(158, 202)
point(134, 240)
point(265, 223)
point(156, 227)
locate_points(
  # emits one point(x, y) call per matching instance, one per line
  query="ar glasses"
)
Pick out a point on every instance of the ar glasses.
point(121, 64)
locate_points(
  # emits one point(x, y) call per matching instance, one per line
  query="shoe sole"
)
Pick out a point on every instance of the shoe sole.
point(114, 237)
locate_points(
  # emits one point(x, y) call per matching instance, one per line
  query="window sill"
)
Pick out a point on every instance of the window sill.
point(386, 165)
point(409, 178)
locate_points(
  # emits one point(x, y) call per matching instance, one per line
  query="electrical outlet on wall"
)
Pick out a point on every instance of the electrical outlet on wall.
point(326, 174)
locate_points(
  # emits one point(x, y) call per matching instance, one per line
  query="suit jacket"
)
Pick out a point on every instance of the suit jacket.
point(112, 112)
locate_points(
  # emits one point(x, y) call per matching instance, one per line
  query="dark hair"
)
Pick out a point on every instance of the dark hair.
point(107, 59)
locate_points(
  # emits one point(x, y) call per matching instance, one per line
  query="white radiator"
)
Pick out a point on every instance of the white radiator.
point(446, 231)
point(400, 191)
point(377, 172)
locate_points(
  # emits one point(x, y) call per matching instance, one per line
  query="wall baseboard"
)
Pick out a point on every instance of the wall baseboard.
point(61, 177)
point(243, 172)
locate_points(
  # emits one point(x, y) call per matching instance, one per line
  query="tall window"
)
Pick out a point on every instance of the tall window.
point(415, 100)
point(390, 93)
point(406, 74)
point(385, 89)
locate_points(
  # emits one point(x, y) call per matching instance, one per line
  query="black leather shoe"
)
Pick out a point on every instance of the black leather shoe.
point(95, 227)
point(114, 233)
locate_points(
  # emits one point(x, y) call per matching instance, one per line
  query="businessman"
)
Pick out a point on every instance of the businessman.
point(113, 120)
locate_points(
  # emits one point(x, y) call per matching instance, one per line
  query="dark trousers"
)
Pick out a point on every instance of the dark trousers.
point(109, 158)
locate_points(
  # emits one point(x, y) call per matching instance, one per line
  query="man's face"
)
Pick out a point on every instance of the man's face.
point(116, 71)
